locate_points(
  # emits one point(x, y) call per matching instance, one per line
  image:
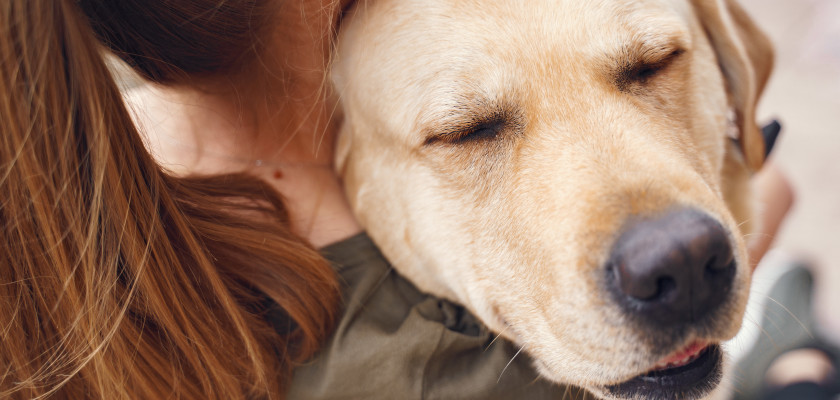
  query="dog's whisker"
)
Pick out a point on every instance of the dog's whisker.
point(569, 394)
point(758, 234)
point(736, 381)
point(509, 362)
point(497, 337)
point(742, 223)
point(798, 321)
point(749, 319)
point(767, 335)
point(774, 324)
point(737, 390)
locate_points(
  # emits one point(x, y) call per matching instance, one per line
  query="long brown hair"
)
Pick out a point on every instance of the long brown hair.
point(118, 281)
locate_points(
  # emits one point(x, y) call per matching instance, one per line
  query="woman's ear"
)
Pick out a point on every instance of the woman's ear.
point(745, 56)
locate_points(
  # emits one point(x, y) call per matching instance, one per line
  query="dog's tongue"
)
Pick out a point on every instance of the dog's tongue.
point(682, 357)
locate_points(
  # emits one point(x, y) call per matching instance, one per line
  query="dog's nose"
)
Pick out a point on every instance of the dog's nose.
point(672, 269)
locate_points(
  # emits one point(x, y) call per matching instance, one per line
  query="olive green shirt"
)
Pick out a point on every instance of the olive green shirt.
point(394, 342)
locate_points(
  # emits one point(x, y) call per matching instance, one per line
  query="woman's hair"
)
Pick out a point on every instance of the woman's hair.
point(118, 281)
point(173, 41)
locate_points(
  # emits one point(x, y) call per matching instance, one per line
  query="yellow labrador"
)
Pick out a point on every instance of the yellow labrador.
point(566, 169)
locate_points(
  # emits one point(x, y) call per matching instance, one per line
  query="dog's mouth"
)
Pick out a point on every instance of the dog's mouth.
point(689, 373)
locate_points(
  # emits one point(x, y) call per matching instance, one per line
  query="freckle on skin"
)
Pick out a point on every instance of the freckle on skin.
point(278, 174)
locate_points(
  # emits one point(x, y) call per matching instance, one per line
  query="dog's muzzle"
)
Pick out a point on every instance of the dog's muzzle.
point(671, 270)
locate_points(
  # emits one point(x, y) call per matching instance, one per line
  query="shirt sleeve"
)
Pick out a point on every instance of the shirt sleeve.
point(394, 342)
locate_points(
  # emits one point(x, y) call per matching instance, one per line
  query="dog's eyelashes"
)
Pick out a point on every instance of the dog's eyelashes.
point(478, 132)
point(476, 122)
point(642, 72)
point(484, 131)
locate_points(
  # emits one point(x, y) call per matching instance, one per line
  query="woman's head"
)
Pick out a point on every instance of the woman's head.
point(119, 281)
point(169, 41)
point(263, 62)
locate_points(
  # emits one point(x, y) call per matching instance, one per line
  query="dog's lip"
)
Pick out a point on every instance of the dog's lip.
point(682, 356)
point(699, 374)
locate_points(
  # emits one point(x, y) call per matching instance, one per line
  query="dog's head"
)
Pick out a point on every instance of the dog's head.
point(563, 168)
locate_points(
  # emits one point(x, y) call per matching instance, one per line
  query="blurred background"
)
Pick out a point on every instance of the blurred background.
point(804, 94)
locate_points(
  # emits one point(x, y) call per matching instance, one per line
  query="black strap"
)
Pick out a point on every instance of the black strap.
point(770, 132)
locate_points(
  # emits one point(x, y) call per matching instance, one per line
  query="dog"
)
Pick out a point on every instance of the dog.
point(574, 172)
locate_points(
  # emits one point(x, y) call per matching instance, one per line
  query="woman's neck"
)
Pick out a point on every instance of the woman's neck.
point(273, 119)
point(286, 139)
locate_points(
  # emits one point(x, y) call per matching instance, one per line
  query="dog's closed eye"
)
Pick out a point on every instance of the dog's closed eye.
point(477, 131)
point(475, 128)
point(642, 70)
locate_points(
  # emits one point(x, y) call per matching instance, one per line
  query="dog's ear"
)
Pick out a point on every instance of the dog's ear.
point(745, 56)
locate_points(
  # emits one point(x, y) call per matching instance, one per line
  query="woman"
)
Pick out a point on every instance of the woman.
point(120, 280)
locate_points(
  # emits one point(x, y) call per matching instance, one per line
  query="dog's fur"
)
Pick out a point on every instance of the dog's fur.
point(579, 116)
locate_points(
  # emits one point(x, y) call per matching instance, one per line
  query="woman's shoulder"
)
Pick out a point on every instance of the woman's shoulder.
point(394, 341)
point(162, 123)
point(183, 129)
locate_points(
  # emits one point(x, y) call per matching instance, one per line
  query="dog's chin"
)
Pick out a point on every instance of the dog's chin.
point(691, 379)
